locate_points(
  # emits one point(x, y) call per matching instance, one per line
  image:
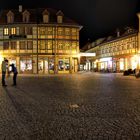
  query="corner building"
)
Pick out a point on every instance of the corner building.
point(39, 41)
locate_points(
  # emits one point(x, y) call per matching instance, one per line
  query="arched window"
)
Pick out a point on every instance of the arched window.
point(26, 16)
point(10, 17)
point(45, 16)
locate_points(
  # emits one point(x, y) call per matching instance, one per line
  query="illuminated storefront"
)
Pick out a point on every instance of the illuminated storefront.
point(105, 64)
point(117, 55)
point(47, 46)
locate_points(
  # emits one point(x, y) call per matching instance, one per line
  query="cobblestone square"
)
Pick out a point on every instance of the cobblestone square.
point(83, 106)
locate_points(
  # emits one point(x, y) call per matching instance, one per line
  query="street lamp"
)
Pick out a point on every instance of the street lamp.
point(1, 58)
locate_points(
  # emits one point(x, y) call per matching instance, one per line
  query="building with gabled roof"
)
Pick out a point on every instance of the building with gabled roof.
point(41, 40)
point(116, 53)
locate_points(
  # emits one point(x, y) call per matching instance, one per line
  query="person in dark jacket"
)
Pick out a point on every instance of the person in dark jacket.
point(14, 70)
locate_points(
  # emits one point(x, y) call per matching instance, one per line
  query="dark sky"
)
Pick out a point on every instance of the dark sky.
point(99, 18)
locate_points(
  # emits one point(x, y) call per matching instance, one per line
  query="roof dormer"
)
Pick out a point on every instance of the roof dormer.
point(45, 16)
point(26, 16)
point(59, 16)
point(10, 17)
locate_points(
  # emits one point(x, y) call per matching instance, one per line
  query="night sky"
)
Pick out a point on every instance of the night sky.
point(99, 18)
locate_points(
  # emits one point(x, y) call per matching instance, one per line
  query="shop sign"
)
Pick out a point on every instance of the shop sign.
point(106, 59)
point(17, 36)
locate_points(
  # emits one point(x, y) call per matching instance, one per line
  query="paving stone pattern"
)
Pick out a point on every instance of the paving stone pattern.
point(84, 106)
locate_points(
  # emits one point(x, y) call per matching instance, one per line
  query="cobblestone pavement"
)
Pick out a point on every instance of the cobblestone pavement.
point(85, 106)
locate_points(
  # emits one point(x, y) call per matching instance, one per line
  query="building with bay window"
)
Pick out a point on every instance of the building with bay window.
point(40, 41)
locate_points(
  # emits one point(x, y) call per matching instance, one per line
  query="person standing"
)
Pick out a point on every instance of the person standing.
point(4, 69)
point(14, 70)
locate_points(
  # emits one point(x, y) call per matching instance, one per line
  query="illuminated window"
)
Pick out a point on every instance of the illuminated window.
point(30, 45)
point(41, 31)
point(45, 16)
point(60, 45)
point(67, 31)
point(59, 19)
point(59, 16)
point(74, 47)
point(22, 45)
point(13, 31)
point(60, 31)
point(67, 45)
point(41, 45)
point(74, 32)
point(6, 31)
point(49, 46)
point(50, 32)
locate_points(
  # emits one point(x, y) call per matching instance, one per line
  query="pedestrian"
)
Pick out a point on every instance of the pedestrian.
point(15, 72)
point(4, 69)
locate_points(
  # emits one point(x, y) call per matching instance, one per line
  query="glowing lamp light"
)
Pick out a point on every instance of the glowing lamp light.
point(88, 54)
point(1, 58)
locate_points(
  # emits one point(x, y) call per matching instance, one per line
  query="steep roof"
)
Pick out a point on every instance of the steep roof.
point(35, 16)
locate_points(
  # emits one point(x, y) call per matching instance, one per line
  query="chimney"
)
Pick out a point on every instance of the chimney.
point(118, 32)
point(20, 8)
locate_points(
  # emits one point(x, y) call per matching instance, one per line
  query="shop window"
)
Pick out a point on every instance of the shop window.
point(26, 65)
point(12, 61)
point(6, 45)
point(6, 31)
point(61, 65)
point(67, 64)
point(40, 66)
point(51, 64)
